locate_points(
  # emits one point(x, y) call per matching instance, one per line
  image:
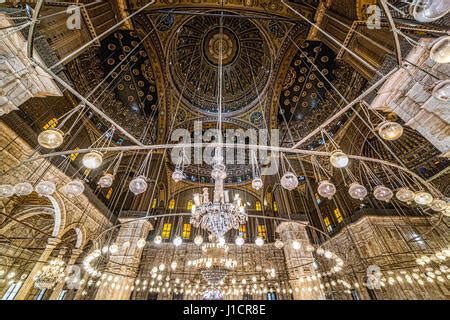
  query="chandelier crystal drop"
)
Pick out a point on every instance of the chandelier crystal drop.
point(357, 191)
point(259, 241)
point(177, 241)
point(440, 51)
point(326, 189)
point(6, 191)
point(257, 183)
point(157, 240)
point(289, 181)
point(219, 172)
point(74, 188)
point(339, 159)
point(239, 241)
point(45, 188)
point(177, 175)
point(198, 240)
point(279, 244)
point(442, 91)
point(438, 205)
point(405, 195)
point(51, 138)
point(383, 193)
point(429, 10)
point(92, 160)
point(390, 131)
point(23, 189)
point(138, 185)
point(106, 180)
point(423, 198)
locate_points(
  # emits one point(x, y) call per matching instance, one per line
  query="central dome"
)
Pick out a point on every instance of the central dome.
point(195, 55)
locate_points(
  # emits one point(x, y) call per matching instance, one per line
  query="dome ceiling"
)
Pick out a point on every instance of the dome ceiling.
point(194, 60)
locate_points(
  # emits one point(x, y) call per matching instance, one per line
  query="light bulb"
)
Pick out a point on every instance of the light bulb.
point(383, 193)
point(6, 191)
point(405, 195)
point(141, 243)
point(51, 138)
point(173, 265)
point(113, 248)
point(239, 241)
point(289, 181)
point(423, 198)
point(357, 191)
point(339, 159)
point(221, 241)
point(138, 185)
point(259, 241)
point(429, 10)
point(279, 244)
point(296, 245)
point(106, 180)
point(438, 205)
point(440, 51)
point(177, 241)
point(390, 131)
point(328, 254)
point(257, 183)
point(45, 188)
point(442, 91)
point(23, 189)
point(177, 175)
point(74, 188)
point(198, 240)
point(92, 160)
point(326, 189)
point(157, 240)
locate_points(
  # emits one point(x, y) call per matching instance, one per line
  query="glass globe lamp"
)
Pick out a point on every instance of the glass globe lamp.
point(390, 131)
point(438, 205)
point(92, 160)
point(23, 189)
point(51, 138)
point(279, 244)
point(177, 175)
point(289, 181)
point(74, 188)
point(447, 211)
point(6, 191)
point(339, 159)
point(113, 249)
point(442, 91)
point(357, 191)
point(259, 241)
point(198, 240)
point(296, 245)
point(141, 243)
point(257, 183)
point(326, 189)
point(423, 198)
point(429, 10)
point(106, 180)
point(45, 188)
point(157, 240)
point(440, 51)
point(177, 241)
point(138, 185)
point(239, 241)
point(320, 251)
point(405, 195)
point(383, 193)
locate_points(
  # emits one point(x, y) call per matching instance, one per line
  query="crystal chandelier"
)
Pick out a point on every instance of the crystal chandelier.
point(50, 275)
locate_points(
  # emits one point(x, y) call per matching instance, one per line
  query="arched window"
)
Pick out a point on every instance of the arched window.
point(172, 204)
point(154, 203)
point(109, 193)
point(258, 205)
point(167, 227)
point(52, 123)
point(338, 215)
point(262, 231)
point(189, 205)
point(243, 231)
point(275, 207)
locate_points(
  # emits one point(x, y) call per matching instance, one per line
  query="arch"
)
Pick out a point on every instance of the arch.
point(59, 216)
point(80, 231)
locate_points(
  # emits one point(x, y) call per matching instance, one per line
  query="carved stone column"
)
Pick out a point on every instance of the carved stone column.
point(299, 262)
point(126, 261)
point(29, 281)
point(59, 287)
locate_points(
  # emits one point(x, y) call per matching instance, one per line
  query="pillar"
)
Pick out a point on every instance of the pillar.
point(299, 263)
point(126, 261)
point(28, 284)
